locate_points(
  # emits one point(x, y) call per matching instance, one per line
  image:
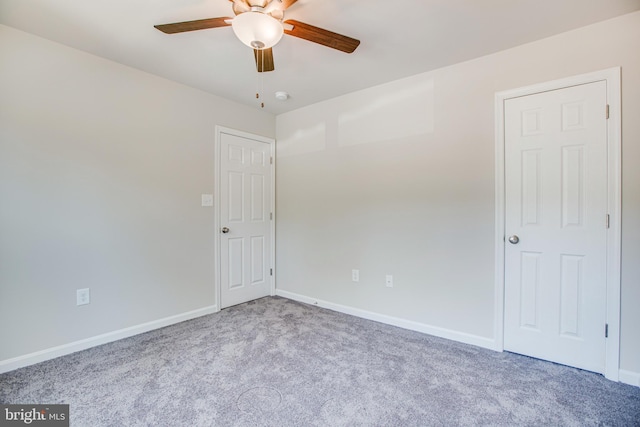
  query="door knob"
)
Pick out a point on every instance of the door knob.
point(225, 229)
point(514, 239)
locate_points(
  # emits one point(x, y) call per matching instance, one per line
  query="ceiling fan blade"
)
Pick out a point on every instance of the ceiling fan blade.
point(264, 59)
point(321, 36)
point(200, 24)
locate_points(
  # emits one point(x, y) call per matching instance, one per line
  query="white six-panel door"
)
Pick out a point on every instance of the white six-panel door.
point(556, 216)
point(245, 218)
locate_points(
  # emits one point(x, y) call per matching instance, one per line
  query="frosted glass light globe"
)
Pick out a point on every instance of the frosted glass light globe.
point(257, 30)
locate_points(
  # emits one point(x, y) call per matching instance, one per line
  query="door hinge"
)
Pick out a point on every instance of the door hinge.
point(271, 158)
point(608, 221)
point(271, 216)
point(607, 113)
point(271, 271)
point(606, 330)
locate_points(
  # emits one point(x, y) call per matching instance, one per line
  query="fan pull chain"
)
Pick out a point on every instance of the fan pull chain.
point(257, 89)
point(260, 81)
point(262, 77)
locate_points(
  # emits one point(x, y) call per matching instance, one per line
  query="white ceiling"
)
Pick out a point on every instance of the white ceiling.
point(399, 38)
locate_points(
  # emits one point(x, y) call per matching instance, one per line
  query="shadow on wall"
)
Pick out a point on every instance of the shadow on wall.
point(360, 118)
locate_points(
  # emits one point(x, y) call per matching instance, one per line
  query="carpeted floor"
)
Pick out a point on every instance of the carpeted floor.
point(276, 362)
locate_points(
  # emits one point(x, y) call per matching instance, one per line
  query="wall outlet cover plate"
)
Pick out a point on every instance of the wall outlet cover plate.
point(207, 199)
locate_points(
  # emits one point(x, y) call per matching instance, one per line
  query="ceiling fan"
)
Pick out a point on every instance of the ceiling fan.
point(260, 24)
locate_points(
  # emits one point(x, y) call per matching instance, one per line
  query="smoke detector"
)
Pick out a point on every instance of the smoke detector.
point(282, 95)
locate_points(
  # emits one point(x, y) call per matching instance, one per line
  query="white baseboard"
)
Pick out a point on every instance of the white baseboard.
point(630, 377)
point(394, 321)
point(61, 350)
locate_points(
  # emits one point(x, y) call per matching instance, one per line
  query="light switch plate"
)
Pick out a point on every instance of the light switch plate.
point(207, 199)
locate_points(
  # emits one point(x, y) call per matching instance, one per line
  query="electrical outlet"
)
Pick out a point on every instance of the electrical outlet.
point(82, 296)
point(389, 281)
point(207, 200)
point(355, 275)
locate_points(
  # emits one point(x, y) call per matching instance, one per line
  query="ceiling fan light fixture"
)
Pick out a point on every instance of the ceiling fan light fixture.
point(257, 30)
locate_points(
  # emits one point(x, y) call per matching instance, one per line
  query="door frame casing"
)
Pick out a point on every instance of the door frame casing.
point(614, 205)
point(218, 204)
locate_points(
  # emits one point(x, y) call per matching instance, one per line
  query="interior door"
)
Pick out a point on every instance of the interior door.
point(245, 218)
point(556, 220)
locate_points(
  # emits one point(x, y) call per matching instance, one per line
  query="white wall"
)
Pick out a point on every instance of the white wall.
point(399, 179)
point(102, 167)
point(101, 171)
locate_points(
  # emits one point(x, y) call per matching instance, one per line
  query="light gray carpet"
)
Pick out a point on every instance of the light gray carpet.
point(275, 362)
